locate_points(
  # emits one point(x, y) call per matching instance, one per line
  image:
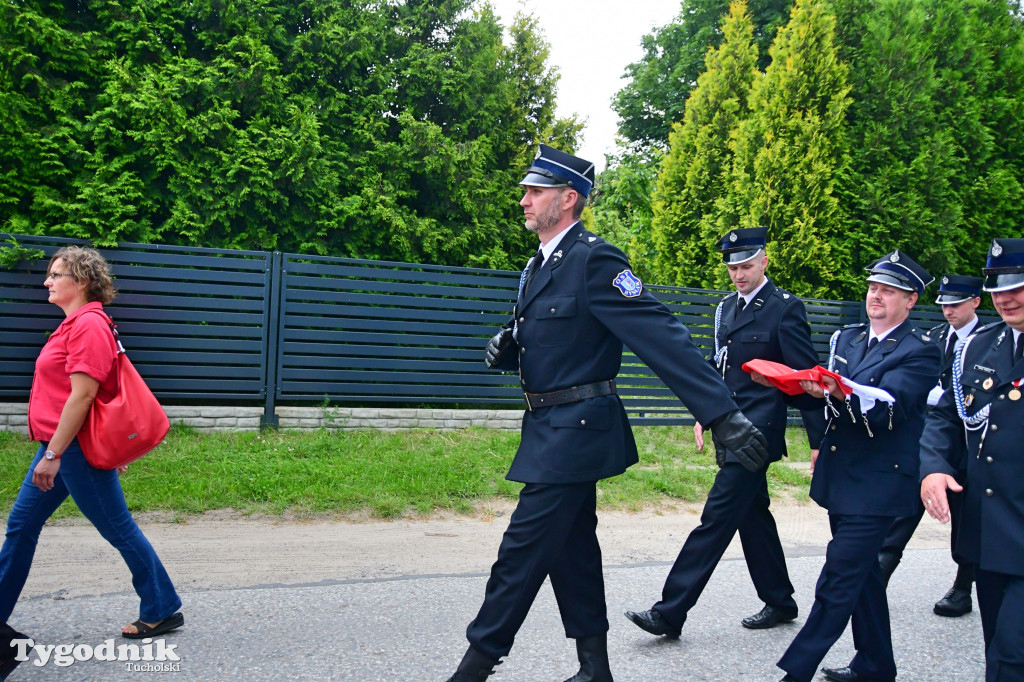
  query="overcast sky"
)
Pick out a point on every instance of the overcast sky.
point(592, 42)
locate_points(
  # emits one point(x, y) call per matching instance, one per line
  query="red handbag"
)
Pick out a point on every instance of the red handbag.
point(126, 426)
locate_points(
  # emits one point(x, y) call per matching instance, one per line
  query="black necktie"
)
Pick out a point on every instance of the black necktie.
point(535, 264)
point(950, 345)
point(740, 305)
point(873, 342)
point(1020, 349)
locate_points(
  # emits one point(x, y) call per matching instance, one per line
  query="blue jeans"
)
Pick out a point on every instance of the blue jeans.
point(99, 496)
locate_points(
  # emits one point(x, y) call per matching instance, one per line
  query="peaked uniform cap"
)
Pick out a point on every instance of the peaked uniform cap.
point(955, 289)
point(742, 244)
point(1004, 269)
point(554, 168)
point(899, 270)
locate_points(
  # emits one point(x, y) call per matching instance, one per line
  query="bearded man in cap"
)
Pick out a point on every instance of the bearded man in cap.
point(866, 474)
point(959, 296)
point(757, 321)
point(983, 411)
point(578, 302)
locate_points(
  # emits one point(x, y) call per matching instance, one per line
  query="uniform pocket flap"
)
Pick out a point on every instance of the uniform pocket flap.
point(556, 306)
point(593, 414)
point(754, 336)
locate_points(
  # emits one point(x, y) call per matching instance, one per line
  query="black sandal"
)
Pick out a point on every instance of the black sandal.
point(172, 622)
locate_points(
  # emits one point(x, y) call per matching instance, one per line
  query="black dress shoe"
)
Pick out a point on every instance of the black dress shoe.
point(653, 622)
point(789, 678)
point(846, 675)
point(769, 617)
point(957, 602)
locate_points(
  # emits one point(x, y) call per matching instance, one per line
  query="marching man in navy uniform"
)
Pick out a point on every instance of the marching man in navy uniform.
point(959, 296)
point(866, 472)
point(578, 302)
point(757, 321)
point(984, 409)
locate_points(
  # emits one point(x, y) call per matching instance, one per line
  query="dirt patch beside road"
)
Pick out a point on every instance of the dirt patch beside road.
point(224, 550)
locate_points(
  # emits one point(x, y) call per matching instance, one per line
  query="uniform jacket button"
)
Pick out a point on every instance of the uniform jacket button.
point(872, 380)
point(522, 319)
point(552, 311)
point(988, 491)
point(522, 350)
point(728, 366)
point(583, 422)
point(995, 427)
point(896, 466)
point(834, 427)
point(833, 448)
point(988, 459)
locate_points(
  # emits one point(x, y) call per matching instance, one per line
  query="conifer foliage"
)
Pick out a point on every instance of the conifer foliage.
point(391, 130)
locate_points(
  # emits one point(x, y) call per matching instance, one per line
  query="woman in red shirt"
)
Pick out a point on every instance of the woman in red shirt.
point(76, 363)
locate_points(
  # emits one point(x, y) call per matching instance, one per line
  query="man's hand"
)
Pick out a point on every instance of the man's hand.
point(698, 436)
point(933, 494)
point(497, 347)
point(814, 459)
point(734, 432)
point(759, 378)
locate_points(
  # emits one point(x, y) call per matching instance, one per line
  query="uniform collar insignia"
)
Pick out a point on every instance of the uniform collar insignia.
point(592, 239)
point(557, 254)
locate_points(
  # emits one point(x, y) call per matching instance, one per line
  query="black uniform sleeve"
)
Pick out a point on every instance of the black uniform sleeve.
point(943, 440)
point(650, 330)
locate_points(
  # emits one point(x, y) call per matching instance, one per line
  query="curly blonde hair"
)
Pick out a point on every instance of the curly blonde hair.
point(85, 264)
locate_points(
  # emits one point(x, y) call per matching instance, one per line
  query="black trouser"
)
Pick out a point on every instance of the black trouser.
point(552, 533)
point(850, 586)
point(1001, 602)
point(738, 501)
point(903, 528)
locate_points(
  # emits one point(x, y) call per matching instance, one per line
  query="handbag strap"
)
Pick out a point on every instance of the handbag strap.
point(120, 348)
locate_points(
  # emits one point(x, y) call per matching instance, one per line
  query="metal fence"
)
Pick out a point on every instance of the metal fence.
point(211, 325)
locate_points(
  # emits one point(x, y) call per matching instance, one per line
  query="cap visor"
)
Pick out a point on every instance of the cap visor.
point(538, 180)
point(952, 299)
point(737, 257)
point(882, 278)
point(1003, 282)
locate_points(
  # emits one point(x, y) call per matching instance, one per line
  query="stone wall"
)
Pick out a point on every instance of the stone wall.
point(233, 418)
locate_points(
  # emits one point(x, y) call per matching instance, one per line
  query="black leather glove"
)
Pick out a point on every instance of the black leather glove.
point(734, 432)
point(719, 451)
point(497, 348)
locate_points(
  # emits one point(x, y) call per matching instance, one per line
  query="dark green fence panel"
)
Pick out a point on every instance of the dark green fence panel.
point(359, 332)
point(244, 326)
point(193, 321)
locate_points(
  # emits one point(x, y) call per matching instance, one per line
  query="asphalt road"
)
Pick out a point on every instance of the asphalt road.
point(412, 628)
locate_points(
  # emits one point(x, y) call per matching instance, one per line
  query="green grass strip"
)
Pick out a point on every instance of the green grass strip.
point(384, 474)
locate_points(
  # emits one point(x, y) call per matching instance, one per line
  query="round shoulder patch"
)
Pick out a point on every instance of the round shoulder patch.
point(628, 284)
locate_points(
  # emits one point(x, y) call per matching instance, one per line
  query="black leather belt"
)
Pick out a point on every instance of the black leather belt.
point(535, 401)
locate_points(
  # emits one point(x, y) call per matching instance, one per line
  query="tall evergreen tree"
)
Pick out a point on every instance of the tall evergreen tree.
point(370, 129)
point(660, 83)
point(791, 154)
point(695, 172)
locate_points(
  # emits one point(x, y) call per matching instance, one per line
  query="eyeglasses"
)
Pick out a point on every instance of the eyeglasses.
point(55, 275)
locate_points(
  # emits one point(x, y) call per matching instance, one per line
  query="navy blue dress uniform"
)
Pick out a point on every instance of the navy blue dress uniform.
point(566, 340)
point(773, 326)
point(866, 476)
point(983, 413)
point(953, 290)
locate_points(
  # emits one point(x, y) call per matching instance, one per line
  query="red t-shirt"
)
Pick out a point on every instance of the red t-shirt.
point(81, 343)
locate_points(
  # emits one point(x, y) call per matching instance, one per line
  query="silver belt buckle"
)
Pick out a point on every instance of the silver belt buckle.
point(526, 399)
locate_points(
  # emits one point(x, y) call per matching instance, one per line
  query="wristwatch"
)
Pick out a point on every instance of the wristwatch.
point(51, 455)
